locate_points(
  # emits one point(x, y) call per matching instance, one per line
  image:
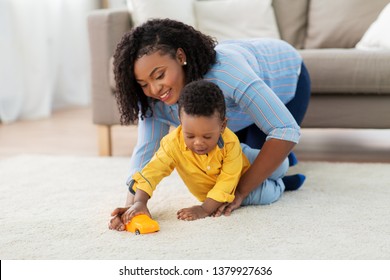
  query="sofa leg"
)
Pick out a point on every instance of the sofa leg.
point(104, 140)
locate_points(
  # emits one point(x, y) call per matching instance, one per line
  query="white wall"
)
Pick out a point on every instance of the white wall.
point(44, 57)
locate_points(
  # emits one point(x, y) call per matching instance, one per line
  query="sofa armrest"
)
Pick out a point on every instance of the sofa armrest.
point(105, 29)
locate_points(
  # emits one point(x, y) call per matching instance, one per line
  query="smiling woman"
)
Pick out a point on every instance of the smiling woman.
point(44, 57)
point(161, 76)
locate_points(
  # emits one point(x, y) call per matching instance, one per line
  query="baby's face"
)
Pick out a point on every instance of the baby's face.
point(201, 134)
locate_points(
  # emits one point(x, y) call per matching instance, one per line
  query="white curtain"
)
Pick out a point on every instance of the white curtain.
point(44, 57)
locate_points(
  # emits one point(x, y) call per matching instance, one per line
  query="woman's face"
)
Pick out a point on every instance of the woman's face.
point(161, 76)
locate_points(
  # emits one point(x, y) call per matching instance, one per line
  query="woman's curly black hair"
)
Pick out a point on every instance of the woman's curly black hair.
point(202, 98)
point(166, 36)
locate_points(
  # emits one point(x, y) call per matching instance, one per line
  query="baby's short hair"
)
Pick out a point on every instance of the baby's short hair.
point(202, 98)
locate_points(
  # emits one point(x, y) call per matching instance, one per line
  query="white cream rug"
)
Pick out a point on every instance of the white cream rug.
point(57, 207)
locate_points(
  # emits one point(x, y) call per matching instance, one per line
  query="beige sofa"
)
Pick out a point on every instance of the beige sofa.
point(350, 87)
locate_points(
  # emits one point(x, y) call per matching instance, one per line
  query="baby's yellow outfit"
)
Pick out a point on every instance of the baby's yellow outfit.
point(214, 175)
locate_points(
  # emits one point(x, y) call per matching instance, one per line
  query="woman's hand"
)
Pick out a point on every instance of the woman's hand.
point(115, 222)
point(227, 208)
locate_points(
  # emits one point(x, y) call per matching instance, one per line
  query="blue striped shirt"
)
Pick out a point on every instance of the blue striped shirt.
point(257, 77)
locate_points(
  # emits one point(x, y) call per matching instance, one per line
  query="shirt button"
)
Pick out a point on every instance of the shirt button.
point(208, 167)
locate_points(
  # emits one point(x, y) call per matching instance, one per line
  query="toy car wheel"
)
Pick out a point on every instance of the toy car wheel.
point(137, 232)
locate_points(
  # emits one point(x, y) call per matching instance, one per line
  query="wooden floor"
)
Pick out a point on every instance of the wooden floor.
point(71, 132)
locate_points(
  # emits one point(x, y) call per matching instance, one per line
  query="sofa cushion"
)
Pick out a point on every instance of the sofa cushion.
point(291, 17)
point(348, 71)
point(235, 19)
point(111, 76)
point(378, 35)
point(339, 111)
point(340, 23)
point(143, 10)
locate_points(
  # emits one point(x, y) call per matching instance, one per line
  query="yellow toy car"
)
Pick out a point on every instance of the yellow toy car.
point(142, 224)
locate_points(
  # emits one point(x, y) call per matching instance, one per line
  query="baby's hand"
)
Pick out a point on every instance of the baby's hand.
point(192, 213)
point(136, 209)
